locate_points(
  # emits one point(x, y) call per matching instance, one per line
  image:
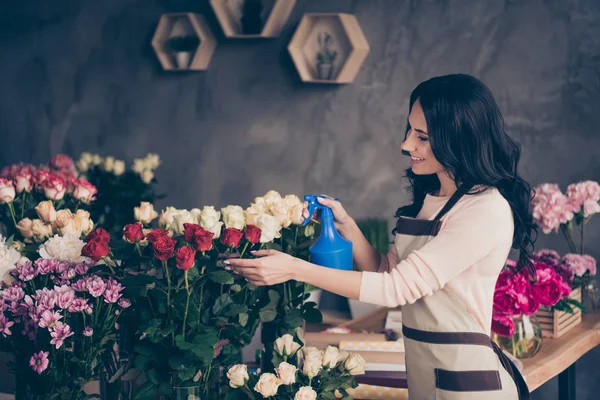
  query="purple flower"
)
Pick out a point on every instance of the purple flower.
point(68, 274)
point(114, 285)
point(124, 303)
point(88, 331)
point(64, 296)
point(96, 286)
point(39, 362)
point(45, 266)
point(13, 294)
point(49, 319)
point(111, 296)
point(59, 334)
point(79, 286)
point(5, 325)
point(79, 305)
point(548, 257)
point(45, 298)
point(30, 328)
point(25, 271)
point(60, 267)
point(82, 269)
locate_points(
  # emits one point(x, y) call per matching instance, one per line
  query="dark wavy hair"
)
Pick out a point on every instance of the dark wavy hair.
point(468, 137)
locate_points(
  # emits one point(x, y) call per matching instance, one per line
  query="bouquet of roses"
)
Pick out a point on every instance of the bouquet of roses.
point(120, 189)
point(58, 315)
point(194, 316)
point(300, 374)
point(37, 202)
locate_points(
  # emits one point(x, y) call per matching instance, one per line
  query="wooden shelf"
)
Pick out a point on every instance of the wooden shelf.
point(274, 16)
point(348, 41)
point(184, 24)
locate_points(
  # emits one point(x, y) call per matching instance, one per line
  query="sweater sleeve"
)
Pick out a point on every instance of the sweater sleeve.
point(467, 236)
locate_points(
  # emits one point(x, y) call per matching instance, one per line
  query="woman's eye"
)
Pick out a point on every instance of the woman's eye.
point(423, 139)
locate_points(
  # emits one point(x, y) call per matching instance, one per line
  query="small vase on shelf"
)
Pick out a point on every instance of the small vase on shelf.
point(591, 297)
point(526, 340)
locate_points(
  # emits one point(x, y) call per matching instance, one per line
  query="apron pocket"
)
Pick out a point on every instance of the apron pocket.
point(467, 381)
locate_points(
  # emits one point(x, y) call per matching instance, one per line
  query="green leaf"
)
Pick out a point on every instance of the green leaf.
point(221, 276)
point(243, 319)
point(141, 362)
point(313, 315)
point(267, 315)
point(274, 297)
point(293, 319)
point(146, 392)
point(236, 309)
point(152, 376)
point(165, 389)
point(143, 350)
point(222, 301)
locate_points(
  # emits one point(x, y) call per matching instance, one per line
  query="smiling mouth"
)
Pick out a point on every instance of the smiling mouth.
point(413, 158)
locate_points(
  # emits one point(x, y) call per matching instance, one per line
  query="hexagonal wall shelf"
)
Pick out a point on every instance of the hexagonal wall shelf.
point(328, 48)
point(259, 18)
point(183, 24)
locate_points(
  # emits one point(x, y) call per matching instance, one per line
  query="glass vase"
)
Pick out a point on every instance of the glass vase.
point(526, 341)
point(590, 297)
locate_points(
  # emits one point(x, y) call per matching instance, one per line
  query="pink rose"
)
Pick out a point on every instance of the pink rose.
point(84, 191)
point(7, 191)
point(551, 208)
point(54, 187)
point(64, 165)
point(503, 325)
point(24, 181)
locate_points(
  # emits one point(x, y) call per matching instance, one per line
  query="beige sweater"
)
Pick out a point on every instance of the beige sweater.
point(465, 257)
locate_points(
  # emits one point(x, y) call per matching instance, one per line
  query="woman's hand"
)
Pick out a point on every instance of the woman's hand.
point(340, 216)
point(272, 267)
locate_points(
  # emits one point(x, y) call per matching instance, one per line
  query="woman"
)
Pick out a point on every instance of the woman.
point(469, 208)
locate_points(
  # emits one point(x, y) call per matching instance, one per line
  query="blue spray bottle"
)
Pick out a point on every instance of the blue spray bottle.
point(331, 249)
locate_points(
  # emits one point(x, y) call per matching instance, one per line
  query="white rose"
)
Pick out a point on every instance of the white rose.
point(331, 357)
point(312, 353)
point(267, 385)
point(7, 191)
point(166, 217)
point(147, 176)
point(96, 159)
point(285, 345)
point(109, 163)
point(9, 257)
point(260, 204)
point(83, 221)
point(86, 157)
point(272, 198)
point(209, 220)
point(152, 160)
point(179, 219)
point(355, 364)
point(281, 211)
point(309, 230)
point(233, 217)
point(305, 393)
point(292, 200)
point(40, 230)
point(139, 165)
point(83, 165)
point(342, 356)
point(119, 167)
point(312, 367)
point(286, 373)
point(145, 213)
point(270, 227)
point(45, 210)
point(296, 214)
point(238, 375)
point(24, 226)
point(252, 213)
point(66, 248)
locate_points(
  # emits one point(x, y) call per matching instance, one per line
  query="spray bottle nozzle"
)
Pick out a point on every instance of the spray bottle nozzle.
point(313, 204)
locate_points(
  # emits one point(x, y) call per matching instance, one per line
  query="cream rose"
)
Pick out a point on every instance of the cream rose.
point(285, 345)
point(152, 160)
point(312, 353)
point(281, 211)
point(109, 163)
point(355, 364)
point(296, 214)
point(63, 218)
point(260, 204)
point(45, 210)
point(85, 191)
point(209, 220)
point(342, 356)
point(272, 198)
point(139, 165)
point(252, 213)
point(309, 230)
point(82, 165)
point(331, 357)
point(305, 393)
point(233, 217)
point(166, 217)
point(312, 367)
point(267, 385)
point(40, 230)
point(145, 213)
point(179, 219)
point(82, 219)
point(270, 228)
point(238, 375)
point(147, 176)
point(7, 191)
point(119, 168)
point(25, 227)
point(286, 373)
point(86, 157)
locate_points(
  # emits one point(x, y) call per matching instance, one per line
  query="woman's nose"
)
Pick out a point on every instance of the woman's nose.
point(407, 145)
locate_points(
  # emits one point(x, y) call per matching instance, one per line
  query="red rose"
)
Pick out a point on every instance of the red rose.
point(98, 233)
point(133, 232)
point(164, 247)
point(202, 240)
point(252, 233)
point(503, 325)
point(153, 235)
point(96, 248)
point(189, 230)
point(185, 257)
point(231, 237)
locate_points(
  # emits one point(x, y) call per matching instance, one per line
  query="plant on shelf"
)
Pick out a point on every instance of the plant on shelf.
point(325, 56)
point(183, 47)
point(251, 20)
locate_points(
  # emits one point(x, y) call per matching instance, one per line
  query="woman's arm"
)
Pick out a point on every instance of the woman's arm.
point(343, 283)
point(366, 257)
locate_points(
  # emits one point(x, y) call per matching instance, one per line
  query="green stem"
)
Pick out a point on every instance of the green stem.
point(244, 250)
point(249, 391)
point(168, 275)
point(12, 213)
point(23, 204)
point(566, 232)
point(582, 225)
point(137, 246)
point(187, 302)
point(201, 296)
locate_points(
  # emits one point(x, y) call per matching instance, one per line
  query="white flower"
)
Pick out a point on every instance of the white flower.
point(179, 219)
point(145, 213)
point(312, 367)
point(152, 161)
point(147, 176)
point(7, 191)
point(83, 165)
point(66, 248)
point(267, 385)
point(8, 260)
point(86, 157)
point(209, 220)
point(139, 165)
point(166, 217)
point(252, 213)
point(309, 230)
point(270, 227)
point(285, 345)
point(355, 364)
point(238, 375)
point(109, 163)
point(281, 211)
point(260, 204)
point(286, 373)
point(312, 353)
point(272, 198)
point(233, 217)
point(25, 228)
point(305, 393)
point(118, 167)
point(342, 356)
point(40, 230)
point(96, 159)
point(331, 357)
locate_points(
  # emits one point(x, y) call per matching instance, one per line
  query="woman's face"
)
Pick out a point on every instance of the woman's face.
point(417, 144)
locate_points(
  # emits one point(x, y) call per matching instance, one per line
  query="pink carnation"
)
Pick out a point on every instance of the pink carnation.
point(584, 192)
point(550, 207)
point(580, 264)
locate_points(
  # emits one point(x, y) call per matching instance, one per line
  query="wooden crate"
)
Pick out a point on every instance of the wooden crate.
point(554, 324)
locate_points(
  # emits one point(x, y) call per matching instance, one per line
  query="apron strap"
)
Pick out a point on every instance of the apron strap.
point(513, 371)
point(460, 192)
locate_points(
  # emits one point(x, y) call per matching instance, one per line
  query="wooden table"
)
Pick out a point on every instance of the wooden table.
point(558, 356)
